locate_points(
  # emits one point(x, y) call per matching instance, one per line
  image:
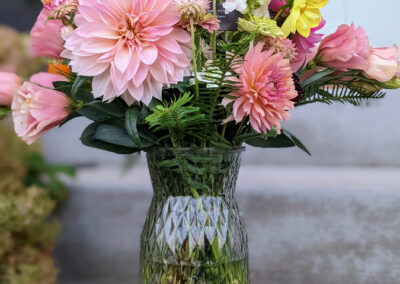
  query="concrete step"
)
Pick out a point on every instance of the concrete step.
point(305, 225)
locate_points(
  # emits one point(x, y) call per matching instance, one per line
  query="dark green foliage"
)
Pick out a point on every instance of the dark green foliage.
point(109, 138)
point(116, 127)
point(131, 124)
point(284, 140)
point(98, 111)
point(179, 118)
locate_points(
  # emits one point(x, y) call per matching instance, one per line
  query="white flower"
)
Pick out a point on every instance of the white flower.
point(209, 76)
point(263, 10)
point(232, 5)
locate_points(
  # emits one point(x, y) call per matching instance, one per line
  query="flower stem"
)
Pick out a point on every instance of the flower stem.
point(172, 138)
point(196, 79)
point(278, 14)
point(224, 130)
point(214, 36)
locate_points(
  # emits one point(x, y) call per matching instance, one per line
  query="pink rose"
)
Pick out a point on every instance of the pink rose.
point(383, 63)
point(36, 110)
point(46, 37)
point(347, 48)
point(8, 83)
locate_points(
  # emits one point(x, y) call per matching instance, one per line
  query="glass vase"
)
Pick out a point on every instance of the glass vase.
point(193, 231)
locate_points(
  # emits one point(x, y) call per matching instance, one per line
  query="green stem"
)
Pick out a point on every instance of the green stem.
point(214, 36)
point(196, 80)
point(196, 195)
point(278, 14)
point(239, 131)
point(172, 138)
point(224, 130)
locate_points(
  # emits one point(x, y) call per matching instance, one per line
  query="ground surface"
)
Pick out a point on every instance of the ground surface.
point(305, 225)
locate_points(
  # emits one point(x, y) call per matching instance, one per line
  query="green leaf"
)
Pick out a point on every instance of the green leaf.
point(284, 140)
point(84, 96)
point(78, 83)
point(63, 87)
point(317, 76)
point(280, 141)
point(147, 138)
point(290, 3)
point(131, 120)
point(114, 135)
point(105, 139)
point(296, 141)
point(99, 111)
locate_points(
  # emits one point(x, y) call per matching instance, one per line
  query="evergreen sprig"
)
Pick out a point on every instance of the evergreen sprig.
point(179, 117)
point(329, 87)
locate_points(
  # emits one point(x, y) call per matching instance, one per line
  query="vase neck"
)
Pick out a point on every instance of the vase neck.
point(194, 172)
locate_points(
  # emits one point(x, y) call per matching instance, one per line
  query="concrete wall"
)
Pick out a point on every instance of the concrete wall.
point(337, 135)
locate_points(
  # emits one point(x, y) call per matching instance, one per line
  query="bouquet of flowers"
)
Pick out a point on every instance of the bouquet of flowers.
point(164, 73)
point(197, 74)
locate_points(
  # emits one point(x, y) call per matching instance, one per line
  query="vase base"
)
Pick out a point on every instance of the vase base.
point(233, 273)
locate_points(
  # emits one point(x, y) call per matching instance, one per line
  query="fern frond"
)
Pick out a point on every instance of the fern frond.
point(339, 93)
point(329, 87)
point(176, 115)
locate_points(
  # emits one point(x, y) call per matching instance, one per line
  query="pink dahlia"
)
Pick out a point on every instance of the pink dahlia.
point(209, 22)
point(130, 48)
point(46, 37)
point(303, 44)
point(281, 45)
point(266, 89)
point(195, 9)
point(36, 109)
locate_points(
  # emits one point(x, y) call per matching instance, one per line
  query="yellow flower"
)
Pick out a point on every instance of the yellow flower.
point(304, 16)
point(265, 26)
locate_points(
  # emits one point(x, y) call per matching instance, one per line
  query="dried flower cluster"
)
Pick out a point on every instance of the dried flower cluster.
point(26, 241)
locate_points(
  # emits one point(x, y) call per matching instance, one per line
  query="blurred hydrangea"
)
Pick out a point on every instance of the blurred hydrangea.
point(28, 265)
point(15, 54)
point(26, 238)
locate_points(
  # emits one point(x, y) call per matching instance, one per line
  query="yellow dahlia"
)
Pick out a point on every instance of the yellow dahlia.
point(303, 16)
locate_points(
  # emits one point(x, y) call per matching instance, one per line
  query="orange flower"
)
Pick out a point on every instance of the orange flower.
point(59, 68)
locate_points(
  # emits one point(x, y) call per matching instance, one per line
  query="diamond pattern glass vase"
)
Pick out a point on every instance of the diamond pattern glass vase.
point(193, 231)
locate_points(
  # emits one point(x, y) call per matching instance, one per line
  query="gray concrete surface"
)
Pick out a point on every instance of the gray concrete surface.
point(305, 225)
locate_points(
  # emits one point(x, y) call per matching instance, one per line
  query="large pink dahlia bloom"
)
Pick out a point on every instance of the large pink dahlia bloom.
point(266, 89)
point(131, 47)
